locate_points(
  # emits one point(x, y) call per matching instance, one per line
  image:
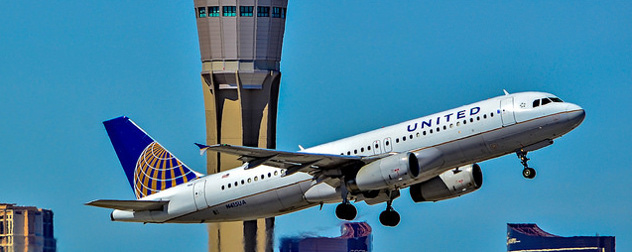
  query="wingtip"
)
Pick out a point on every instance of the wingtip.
point(203, 148)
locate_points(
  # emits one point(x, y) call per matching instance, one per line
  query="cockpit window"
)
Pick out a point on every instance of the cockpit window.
point(555, 99)
point(545, 101)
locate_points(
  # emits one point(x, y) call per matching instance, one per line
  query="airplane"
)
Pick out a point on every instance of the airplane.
point(436, 156)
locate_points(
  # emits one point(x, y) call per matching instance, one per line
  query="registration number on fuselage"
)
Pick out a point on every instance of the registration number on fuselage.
point(236, 204)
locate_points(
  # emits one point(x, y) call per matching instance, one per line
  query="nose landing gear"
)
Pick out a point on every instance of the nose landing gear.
point(527, 172)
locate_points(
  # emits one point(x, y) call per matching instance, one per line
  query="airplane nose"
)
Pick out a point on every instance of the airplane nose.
point(575, 114)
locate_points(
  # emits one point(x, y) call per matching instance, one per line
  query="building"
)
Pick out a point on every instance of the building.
point(240, 47)
point(529, 237)
point(26, 228)
point(355, 236)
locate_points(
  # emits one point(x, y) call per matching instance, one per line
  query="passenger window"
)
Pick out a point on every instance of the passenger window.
point(269, 174)
point(404, 138)
point(243, 182)
point(471, 119)
point(418, 135)
point(276, 173)
point(386, 144)
point(491, 114)
point(445, 127)
point(438, 129)
point(478, 118)
point(368, 147)
point(223, 187)
point(348, 153)
point(362, 149)
point(228, 185)
point(236, 183)
point(424, 133)
point(411, 137)
point(484, 116)
point(430, 131)
point(256, 178)
point(536, 103)
point(396, 140)
point(263, 176)
point(249, 180)
point(355, 151)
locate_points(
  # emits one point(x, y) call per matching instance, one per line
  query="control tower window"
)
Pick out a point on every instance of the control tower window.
point(263, 11)
point(230, 11)
point(246, 11)
point(276, 12)
point(213, 11)
point(201, 12)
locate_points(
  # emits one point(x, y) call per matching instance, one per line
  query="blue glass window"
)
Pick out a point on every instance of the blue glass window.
point(213, 11)
point(246, 11)
point(230, 11)
point(283, 13)
point(276, 12)
point(263, 11)
point(201, 12)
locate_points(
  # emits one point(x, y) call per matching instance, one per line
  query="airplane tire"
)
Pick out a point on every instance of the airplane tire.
point(346, 211)
point(389, 218)
point(528, 173)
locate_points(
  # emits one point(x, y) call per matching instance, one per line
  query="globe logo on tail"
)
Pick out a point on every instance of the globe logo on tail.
point(157, 170)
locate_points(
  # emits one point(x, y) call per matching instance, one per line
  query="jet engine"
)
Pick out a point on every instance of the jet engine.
point(394, 170)
point(450, 184)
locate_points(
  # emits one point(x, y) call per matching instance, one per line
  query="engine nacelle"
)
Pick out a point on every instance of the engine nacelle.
point(394, 170)
point(450, 184)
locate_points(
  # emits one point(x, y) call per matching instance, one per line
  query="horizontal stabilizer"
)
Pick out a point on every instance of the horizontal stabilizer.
point(130, 205)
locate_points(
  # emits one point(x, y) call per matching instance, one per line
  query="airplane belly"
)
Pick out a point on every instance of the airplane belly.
point(292, 196)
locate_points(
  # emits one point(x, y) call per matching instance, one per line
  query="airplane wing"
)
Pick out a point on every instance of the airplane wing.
point(319, 165)
point(129, 205)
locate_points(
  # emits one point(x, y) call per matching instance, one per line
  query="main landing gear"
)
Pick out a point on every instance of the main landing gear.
point(345, 210)
point(527, 172)
point(389, 217)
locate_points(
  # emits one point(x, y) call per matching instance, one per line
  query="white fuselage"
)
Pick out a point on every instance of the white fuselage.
point(449, 139)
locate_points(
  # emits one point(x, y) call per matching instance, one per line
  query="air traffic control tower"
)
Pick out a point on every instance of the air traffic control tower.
point(240, 45)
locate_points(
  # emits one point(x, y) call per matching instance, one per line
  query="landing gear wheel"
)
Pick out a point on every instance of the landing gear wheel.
point(346, 211)
point(389, 218)
point(528, 173)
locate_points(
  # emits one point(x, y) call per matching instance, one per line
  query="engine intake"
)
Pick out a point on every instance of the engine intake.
point(450, 184)
point(394, 170)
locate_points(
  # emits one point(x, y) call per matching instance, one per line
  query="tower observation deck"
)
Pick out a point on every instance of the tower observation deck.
point(240, 47)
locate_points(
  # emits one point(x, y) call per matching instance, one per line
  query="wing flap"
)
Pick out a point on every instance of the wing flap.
point(294, 161)
point(130, 205)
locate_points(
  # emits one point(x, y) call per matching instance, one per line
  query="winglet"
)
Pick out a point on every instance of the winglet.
point(203, 148)
point(301, 147)
point(506, 93)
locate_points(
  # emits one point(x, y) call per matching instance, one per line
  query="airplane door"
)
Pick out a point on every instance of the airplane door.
point(198, 194)
point(376, 147)
point(388, 145)
point(507, 111)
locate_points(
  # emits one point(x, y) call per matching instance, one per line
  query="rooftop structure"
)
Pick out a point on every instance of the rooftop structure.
point(355, 236)
point(26, 228)
point(530, 237)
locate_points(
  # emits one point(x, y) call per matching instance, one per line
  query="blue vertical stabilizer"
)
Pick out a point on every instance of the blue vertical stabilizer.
point(149, 167)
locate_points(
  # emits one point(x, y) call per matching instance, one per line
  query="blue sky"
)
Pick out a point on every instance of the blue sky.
point(347, 67)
